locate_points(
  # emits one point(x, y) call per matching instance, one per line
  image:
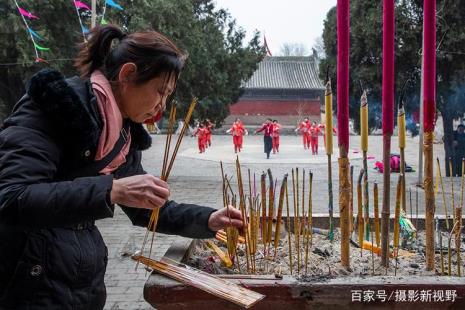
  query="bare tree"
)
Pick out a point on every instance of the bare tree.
point(319, 48)
point(293, 49)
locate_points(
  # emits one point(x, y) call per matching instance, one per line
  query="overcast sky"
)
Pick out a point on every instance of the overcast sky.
point(282, 21)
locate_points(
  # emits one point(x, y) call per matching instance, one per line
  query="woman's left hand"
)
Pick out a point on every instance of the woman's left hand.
point(219, 219)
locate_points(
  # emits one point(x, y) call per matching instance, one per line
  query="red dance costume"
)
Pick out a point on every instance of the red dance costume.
point(201, 134)
point(304, 128)
point(238, 131)
point(322, 127)
point(314, 131)
point(208, 137)
point(275, 137)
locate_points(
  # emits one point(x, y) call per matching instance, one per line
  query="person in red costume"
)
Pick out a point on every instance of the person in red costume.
point(267, 129)
point(322, 127)
point(238, 131)
point(275, 136)
point(208, 130)
point(201, 133)
point(314, 132)
point(304, 129)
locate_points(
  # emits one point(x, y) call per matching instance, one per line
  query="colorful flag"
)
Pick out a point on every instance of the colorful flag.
point(81, 5)
point(34, 34)
point(113, 4)
point(27, 14)
point(40, 47)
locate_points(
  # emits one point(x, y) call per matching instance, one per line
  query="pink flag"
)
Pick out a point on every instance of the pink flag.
point(26, 13)
point(81, 5)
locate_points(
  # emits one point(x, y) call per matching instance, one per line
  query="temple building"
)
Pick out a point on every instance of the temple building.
point(283, 88)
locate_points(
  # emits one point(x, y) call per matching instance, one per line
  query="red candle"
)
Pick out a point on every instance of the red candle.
point(343, 28)
point(429, 58)
point(388, 67)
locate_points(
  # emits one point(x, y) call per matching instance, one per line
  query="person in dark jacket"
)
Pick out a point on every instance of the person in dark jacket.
point(69, 152)
point(267, 129)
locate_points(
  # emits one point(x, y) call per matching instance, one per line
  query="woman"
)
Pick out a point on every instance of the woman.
point(58, 175)
point(275, 135)
point(201, 133)
point(238, 131)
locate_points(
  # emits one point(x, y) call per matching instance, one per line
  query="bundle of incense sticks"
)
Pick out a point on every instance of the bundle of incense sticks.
point(242, 207)
point(214, 285)
point(277, 234)
point(231, 236)
point(168, 164)
point(221, 235)
point(271, 213)
point(360, 223)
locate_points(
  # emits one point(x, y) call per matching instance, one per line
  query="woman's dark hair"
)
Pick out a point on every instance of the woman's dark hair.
point(150, 51)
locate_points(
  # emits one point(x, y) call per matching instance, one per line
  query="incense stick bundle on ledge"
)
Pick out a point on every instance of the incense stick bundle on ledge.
point(206, 282)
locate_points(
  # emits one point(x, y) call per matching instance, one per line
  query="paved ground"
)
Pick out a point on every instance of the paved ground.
point(196, 178)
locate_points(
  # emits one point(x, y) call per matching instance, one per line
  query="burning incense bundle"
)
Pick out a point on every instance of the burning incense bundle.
point(230, 237)
point(360, 223)
point(397, 214)
point(308, 230)
point(167, 165)
point(351, 202)
point(269, 219)
point(401, 134)
point(452, 192)
point(264, 226)
point(458, 243)
point(243, 212)
point(364, 137)
point(277, 234)
point(375, 203)
point(224, 258)
point(206, 282)
point(310, 207)
point(254, 224)
point(329, 151)
point(289, 229)
point(222, 235)
point(443, 193)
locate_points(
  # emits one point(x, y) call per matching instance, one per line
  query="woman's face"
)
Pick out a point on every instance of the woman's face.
point(139, 102)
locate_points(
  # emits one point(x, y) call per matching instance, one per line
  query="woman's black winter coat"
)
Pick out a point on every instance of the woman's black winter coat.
point(51, 254)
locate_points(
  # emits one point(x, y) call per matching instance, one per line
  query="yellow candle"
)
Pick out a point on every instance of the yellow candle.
point(329, 118)
point(401, 127)
point(364, 121)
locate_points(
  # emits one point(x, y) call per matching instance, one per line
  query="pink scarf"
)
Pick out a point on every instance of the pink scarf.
point(112, 122)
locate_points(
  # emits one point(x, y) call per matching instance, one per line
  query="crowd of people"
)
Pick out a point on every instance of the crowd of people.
point(271, 134)
point(203, 132)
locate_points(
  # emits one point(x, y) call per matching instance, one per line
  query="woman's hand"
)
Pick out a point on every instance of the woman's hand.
point(140, 191)
point(219, 219)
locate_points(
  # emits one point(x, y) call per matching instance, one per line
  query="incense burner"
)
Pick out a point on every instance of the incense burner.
point(311, 292)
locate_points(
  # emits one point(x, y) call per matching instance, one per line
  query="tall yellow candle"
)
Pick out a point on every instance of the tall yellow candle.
point(329, 118)
point(401, 127)
point(364, 121)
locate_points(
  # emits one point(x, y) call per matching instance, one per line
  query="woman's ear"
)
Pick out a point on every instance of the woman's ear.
point(127, 73)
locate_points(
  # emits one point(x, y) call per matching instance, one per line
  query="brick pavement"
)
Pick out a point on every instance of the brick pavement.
point(196, 178)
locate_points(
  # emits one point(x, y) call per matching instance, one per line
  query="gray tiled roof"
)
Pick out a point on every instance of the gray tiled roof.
point(291, 72)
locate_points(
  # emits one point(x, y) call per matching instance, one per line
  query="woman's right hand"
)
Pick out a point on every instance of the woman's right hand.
point(140, 191)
